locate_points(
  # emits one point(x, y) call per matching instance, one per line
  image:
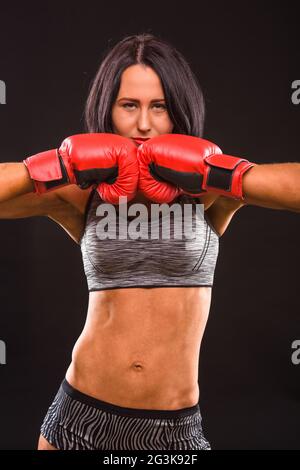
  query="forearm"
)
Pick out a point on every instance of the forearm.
point(273, 185)
point(14, 180)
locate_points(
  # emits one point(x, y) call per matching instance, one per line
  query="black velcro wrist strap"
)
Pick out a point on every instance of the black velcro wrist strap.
point(63, 180)
point(219, 178)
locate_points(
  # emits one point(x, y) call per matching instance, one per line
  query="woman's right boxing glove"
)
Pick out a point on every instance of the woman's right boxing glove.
point(106, 160)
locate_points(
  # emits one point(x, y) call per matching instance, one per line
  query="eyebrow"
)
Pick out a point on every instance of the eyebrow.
point(137, 101)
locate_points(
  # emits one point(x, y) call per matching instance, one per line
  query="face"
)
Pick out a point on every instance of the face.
point(140, 107)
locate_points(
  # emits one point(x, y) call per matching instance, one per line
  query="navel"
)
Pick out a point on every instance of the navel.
point(137, 366)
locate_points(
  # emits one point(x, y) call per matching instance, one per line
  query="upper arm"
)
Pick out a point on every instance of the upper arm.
point(65, 206)
point(69, 198)
point(29, 205)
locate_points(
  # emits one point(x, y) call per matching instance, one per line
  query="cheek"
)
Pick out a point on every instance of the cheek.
point(115, 116)
point(166, 124)
point(170, 124)
point(120, 119)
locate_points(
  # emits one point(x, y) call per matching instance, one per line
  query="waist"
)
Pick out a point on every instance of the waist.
point(135, 376)
point(126, 411)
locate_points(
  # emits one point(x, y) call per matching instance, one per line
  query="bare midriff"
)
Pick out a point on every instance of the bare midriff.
point(140, 347)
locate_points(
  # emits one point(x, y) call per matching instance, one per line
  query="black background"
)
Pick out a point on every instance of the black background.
point(246, 57)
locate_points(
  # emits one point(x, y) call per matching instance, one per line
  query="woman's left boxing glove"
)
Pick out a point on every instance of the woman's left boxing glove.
point(173, 164)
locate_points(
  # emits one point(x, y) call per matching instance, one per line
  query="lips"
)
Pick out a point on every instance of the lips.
point(140, 140)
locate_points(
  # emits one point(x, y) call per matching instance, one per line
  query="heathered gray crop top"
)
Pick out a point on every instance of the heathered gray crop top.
point(148, 254)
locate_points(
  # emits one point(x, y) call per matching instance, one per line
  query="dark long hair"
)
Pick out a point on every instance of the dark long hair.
point(183, 94)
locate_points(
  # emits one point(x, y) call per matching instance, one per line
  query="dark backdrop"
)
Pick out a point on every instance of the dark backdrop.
point(246, 58)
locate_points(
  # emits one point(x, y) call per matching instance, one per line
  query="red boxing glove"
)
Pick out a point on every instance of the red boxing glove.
point(103, 159)
point(172, 164)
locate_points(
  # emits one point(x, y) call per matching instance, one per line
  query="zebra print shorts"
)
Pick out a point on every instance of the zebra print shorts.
point(76, 421)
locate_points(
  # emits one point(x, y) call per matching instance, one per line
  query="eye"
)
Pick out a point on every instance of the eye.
point(125, 105)
point(155, 105)
point(160, 105)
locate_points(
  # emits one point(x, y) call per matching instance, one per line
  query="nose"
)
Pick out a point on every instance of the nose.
point(143, 123)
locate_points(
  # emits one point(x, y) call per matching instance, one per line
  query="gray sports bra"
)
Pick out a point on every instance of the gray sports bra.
point(161, 256)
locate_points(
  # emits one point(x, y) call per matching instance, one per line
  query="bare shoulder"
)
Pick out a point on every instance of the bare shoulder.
point(73, 196)
point(220, 203)
point(69, 213)
point(221, 211)
point(223, 203)
point(208, 199)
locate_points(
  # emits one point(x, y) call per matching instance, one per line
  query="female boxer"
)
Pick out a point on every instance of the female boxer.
point(133, 380)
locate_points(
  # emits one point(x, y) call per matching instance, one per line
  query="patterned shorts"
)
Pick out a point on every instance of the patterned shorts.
point(76, 421)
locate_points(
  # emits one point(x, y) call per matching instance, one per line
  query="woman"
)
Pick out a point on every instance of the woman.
point(133, 379)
